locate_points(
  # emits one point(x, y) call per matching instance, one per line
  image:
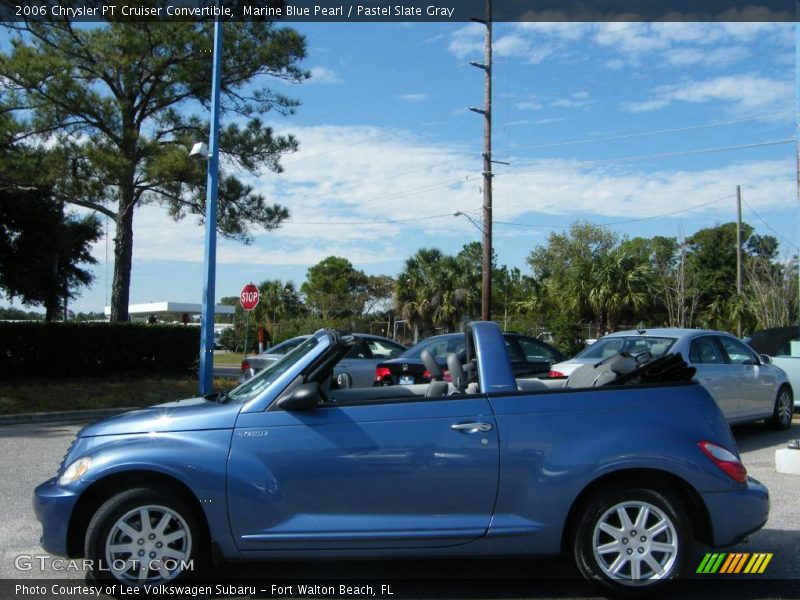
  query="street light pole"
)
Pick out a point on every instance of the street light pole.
point(210, 257)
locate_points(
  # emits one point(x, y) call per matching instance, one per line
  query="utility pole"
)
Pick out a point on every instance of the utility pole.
point(739, 255)
point(486, 111)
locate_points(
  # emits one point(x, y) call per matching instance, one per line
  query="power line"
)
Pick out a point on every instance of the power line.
point(659, 216)
point(656, 156)
point(653, 132)
point(388, 221)
point(768, 226)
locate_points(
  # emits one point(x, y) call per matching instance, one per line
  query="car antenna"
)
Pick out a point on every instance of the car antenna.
point(640, 328)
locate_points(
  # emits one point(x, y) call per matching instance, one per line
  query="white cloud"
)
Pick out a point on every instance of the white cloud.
point(467, 40)
point(364, 176)
point(414, 97)
point(324, 75)
point(744, 94)
point(684, 43)
point(576, 100)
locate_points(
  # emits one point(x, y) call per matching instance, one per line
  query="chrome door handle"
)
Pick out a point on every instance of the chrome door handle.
point(472, 427)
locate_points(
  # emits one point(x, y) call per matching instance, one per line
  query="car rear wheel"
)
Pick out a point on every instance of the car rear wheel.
point(782, 412)
point(142, 536)
point(632, 540)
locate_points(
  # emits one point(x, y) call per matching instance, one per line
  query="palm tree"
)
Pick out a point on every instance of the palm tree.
point(619, 285)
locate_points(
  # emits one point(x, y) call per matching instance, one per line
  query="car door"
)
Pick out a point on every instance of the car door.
point(409, 472)
point(352, 363)
point(758, 383)
point(715, 374)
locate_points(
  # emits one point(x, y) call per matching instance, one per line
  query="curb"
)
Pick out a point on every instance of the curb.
point(60, 416)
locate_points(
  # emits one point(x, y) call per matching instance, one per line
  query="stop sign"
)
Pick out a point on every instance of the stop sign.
point(249, 297)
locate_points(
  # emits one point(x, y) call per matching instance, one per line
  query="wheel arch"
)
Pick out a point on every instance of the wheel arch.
point(658, 480)
point(103, 489)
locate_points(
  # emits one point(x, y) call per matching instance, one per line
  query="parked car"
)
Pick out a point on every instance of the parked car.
point(530, 357)
point(781, 344)
point(747, 387)
point(286, 466)
point(359, 364)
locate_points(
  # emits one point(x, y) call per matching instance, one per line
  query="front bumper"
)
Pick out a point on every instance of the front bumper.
point(735, 515)
point(53, 506)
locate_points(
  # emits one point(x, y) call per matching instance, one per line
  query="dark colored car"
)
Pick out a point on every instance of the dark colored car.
point(529, 356)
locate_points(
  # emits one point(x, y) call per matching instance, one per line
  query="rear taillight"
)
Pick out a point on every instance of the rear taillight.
point(245, 366)
point(381, 372)
point(725, 460)
point(426, 374)
point(555, 374)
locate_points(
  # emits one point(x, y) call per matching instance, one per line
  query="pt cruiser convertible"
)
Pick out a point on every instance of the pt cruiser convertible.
point(624, 475)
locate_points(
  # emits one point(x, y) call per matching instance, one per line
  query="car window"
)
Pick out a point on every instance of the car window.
point(360, 350)
point(384, 349)
point(738, 353)
point(534, 350)
point(514, 351)
point(287, 346)
point(603, 348)
point(438, 347)
point(704, 351)
point(254, 386)
point(609, 346)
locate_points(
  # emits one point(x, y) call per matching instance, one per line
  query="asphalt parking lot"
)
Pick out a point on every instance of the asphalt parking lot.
point(30, 453)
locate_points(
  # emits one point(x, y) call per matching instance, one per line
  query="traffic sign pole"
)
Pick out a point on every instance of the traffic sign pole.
point(248, 298)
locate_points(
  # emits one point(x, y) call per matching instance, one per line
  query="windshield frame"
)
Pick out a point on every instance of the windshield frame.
point(257, 393)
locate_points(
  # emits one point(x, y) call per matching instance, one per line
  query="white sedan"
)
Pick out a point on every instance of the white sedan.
point(746, 386)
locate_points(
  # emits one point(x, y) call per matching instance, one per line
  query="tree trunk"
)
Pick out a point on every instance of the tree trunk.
point(123, 254)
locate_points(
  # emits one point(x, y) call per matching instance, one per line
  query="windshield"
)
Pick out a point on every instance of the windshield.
point(252, 387)
point(635, 344)
point(439, 346)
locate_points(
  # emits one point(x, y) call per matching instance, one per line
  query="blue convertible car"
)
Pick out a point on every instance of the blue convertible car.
point(624, 476)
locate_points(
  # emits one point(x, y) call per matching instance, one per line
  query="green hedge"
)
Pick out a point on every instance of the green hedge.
point(50, 350)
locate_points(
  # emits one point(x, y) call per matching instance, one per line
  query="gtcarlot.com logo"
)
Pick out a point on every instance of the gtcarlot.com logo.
point(732, 563)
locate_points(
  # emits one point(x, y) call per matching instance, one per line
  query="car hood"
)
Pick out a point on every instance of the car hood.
point(181, 415)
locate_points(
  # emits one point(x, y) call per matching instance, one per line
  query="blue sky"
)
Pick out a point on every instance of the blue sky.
point(646, 127)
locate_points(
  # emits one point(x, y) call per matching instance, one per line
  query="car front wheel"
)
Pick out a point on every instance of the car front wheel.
point(782, 412)
point(141, 536)
point(632, 540)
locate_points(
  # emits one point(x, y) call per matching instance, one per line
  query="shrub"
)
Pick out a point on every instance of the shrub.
point(51, 350)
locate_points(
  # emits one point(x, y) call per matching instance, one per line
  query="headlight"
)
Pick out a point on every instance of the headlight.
point(75, 470)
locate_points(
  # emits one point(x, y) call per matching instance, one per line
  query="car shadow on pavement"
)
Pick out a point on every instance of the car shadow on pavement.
point(756, 436)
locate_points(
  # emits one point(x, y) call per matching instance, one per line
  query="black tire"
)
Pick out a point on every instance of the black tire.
point(172, 523)
point(781, 418)
point(615, 569)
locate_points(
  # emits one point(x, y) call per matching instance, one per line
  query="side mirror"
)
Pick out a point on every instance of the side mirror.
point(765, 359)
point(304, 397)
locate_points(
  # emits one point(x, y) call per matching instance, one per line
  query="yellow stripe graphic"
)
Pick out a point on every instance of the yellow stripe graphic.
point(765, 563)
point(749, 567)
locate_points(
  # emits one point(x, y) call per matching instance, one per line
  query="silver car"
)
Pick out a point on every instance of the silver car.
point(746, 386)
point(359, 364)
